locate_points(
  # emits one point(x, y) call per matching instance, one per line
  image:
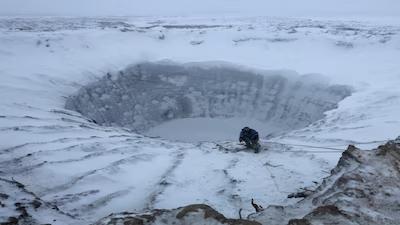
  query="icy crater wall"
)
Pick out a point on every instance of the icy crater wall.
point(147, 94)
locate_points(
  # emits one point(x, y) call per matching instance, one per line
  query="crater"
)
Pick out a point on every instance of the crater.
point(206, 101)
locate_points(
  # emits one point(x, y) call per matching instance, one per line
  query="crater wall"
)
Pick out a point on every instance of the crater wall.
point(147, 94)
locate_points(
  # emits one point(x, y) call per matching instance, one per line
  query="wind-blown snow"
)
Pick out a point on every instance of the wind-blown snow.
point(89, 170)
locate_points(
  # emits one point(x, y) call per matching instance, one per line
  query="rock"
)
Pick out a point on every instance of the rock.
point(192, 214)
point(362, 189)
point(397, 140)
point(301, 194)
point(12, 220)
point(299, 222)
point(3, 196)
point(36, 204)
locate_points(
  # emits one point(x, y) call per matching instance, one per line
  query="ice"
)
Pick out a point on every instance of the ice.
point(89, 170)
point(160, 92)
point(208, 129)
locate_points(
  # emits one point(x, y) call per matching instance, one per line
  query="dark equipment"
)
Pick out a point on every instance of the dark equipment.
point(250, 137)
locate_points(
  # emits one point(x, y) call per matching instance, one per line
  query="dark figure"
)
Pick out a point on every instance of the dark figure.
point(250, 137)
point(258, 208)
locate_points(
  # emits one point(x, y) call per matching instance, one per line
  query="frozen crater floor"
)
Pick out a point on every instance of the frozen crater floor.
point(79, 110)
point(207, 129)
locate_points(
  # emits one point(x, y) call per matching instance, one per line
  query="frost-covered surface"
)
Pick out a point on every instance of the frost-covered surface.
point(89, 171)
point(149, 94)
point(20, 206)
point(362, 189)
point(98, 171)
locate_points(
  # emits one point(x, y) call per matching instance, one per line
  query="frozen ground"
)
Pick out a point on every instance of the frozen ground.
point(361, 189)
point(89, 170)
point(207, 129)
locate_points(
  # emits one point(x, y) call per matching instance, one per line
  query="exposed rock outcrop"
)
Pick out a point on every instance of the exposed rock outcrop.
point(364, 188)
point(192, 214)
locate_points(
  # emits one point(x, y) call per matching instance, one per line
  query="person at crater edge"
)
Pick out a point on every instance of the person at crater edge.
point(250, 137)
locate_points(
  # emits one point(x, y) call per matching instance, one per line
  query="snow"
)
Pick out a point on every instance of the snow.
point(279, 100)
point(89, 170)
point(361, 189)
point(206, 129)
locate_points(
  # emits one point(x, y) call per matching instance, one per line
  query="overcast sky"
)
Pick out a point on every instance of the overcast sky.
point(376, 8)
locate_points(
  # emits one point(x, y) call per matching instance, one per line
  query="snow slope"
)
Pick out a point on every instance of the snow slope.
point(362, 189)
point(89, 171)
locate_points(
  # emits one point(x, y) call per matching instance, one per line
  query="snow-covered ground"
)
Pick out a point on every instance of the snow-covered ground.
point(205, 129)
point(89, 171)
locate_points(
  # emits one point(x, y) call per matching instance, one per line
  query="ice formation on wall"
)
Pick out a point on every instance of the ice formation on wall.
point(147, 94)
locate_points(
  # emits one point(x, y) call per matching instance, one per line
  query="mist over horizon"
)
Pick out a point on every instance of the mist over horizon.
point(285, 8)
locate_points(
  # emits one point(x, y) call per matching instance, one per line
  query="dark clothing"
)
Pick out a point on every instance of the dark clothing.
point(250, 137)
point(248, 134)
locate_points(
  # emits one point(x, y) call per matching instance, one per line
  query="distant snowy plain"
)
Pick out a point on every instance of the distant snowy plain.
point(89, 170)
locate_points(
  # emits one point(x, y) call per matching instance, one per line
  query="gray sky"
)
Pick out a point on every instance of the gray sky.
point(389, 8)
